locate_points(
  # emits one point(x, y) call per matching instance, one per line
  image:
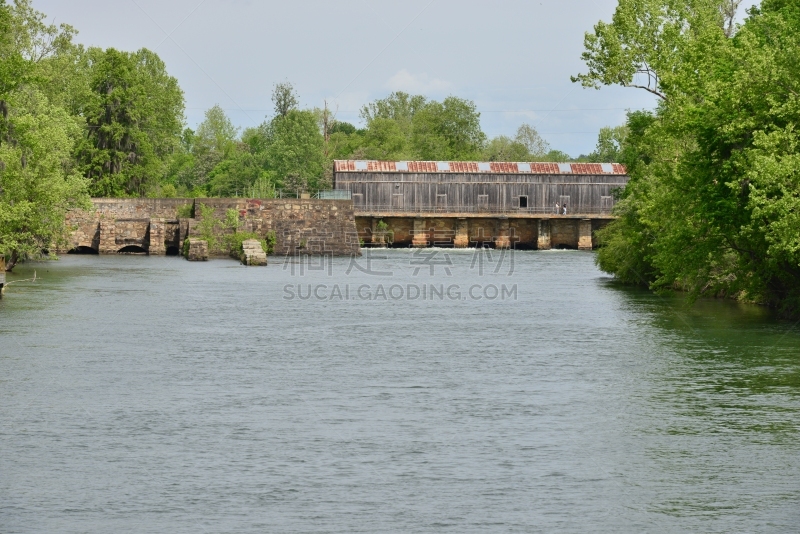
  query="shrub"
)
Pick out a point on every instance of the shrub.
point(185, 212)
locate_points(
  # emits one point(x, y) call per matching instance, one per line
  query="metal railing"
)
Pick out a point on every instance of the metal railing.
point(476, 210)
point(335, 194)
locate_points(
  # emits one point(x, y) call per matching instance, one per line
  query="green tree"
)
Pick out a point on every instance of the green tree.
point(284, 97)
point(527, 145)
point(398, 106)
point(528, 137)
point(557, 156)
point(14, 67)
point(294, 147)
point(180, 166)
point(713, 201)
point(385, 140)
point(217, 131)
point(345, 140)
point(134, 121)
point(609, 144)
point(448, 130)
point(236, 174)
point(38, 185)
point(503, 148)
point(660, 46)
point(213, 143)
point(56, 65)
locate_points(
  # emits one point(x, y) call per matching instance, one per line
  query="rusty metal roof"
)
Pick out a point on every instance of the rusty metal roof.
point(494, 167)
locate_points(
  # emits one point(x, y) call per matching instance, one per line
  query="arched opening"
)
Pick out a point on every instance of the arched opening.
point(173, 251)
point(83, 250)
point(132, 249)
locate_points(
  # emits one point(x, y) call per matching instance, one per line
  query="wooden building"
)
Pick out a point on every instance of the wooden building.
point(474, 187)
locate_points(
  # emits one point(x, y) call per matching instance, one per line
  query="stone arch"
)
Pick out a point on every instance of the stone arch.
point(132, 249)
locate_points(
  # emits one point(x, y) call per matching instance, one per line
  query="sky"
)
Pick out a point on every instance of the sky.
point(512, 58)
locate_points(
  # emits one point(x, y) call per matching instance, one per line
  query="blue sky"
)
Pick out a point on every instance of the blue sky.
point(512, 58)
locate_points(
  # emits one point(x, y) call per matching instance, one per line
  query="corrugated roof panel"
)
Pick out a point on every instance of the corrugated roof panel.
point(422, 166)
point(587, 168)
point(464, 166)
point(476, 167)
point(544, 168)
point(345, 165)
point(381, 166)
point(498, 166)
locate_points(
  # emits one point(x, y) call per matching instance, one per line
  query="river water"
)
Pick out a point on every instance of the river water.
point(408, 391)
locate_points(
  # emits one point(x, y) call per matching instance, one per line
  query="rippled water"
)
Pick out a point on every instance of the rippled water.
point(156, 395)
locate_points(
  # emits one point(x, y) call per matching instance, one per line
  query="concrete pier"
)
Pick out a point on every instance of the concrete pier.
point(543, 239)
point(420, 233)
point(108, 237)
point(157, 238)
point(541, 232)
point(585, 234)
point(461, 239)
point(501, 237)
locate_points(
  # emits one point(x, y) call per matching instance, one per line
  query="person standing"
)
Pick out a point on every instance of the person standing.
point(558, 208)
point(565, 208)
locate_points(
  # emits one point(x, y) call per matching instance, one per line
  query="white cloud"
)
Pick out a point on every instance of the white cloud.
point(417, 83)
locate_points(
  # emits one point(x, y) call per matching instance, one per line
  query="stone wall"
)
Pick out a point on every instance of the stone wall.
point(139, 208)
point(306, 226)
point(300, 226)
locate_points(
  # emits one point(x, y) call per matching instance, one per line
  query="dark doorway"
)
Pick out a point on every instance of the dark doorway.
point(523, 201)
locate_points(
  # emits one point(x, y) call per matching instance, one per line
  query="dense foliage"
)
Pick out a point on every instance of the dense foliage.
point(713, 206)
point(39, 180)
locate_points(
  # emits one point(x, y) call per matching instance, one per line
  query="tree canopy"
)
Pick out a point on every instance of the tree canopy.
point(713, 201)
point(133, 120)
point(39, 181)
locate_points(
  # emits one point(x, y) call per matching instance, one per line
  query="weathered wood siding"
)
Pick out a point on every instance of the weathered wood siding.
point(374, 191)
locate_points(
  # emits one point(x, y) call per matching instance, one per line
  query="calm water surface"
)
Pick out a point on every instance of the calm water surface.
point(156, 395)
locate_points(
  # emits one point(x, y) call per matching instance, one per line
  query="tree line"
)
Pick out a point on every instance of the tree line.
point(295, 149)
point(124, 115)
point(713, 203)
